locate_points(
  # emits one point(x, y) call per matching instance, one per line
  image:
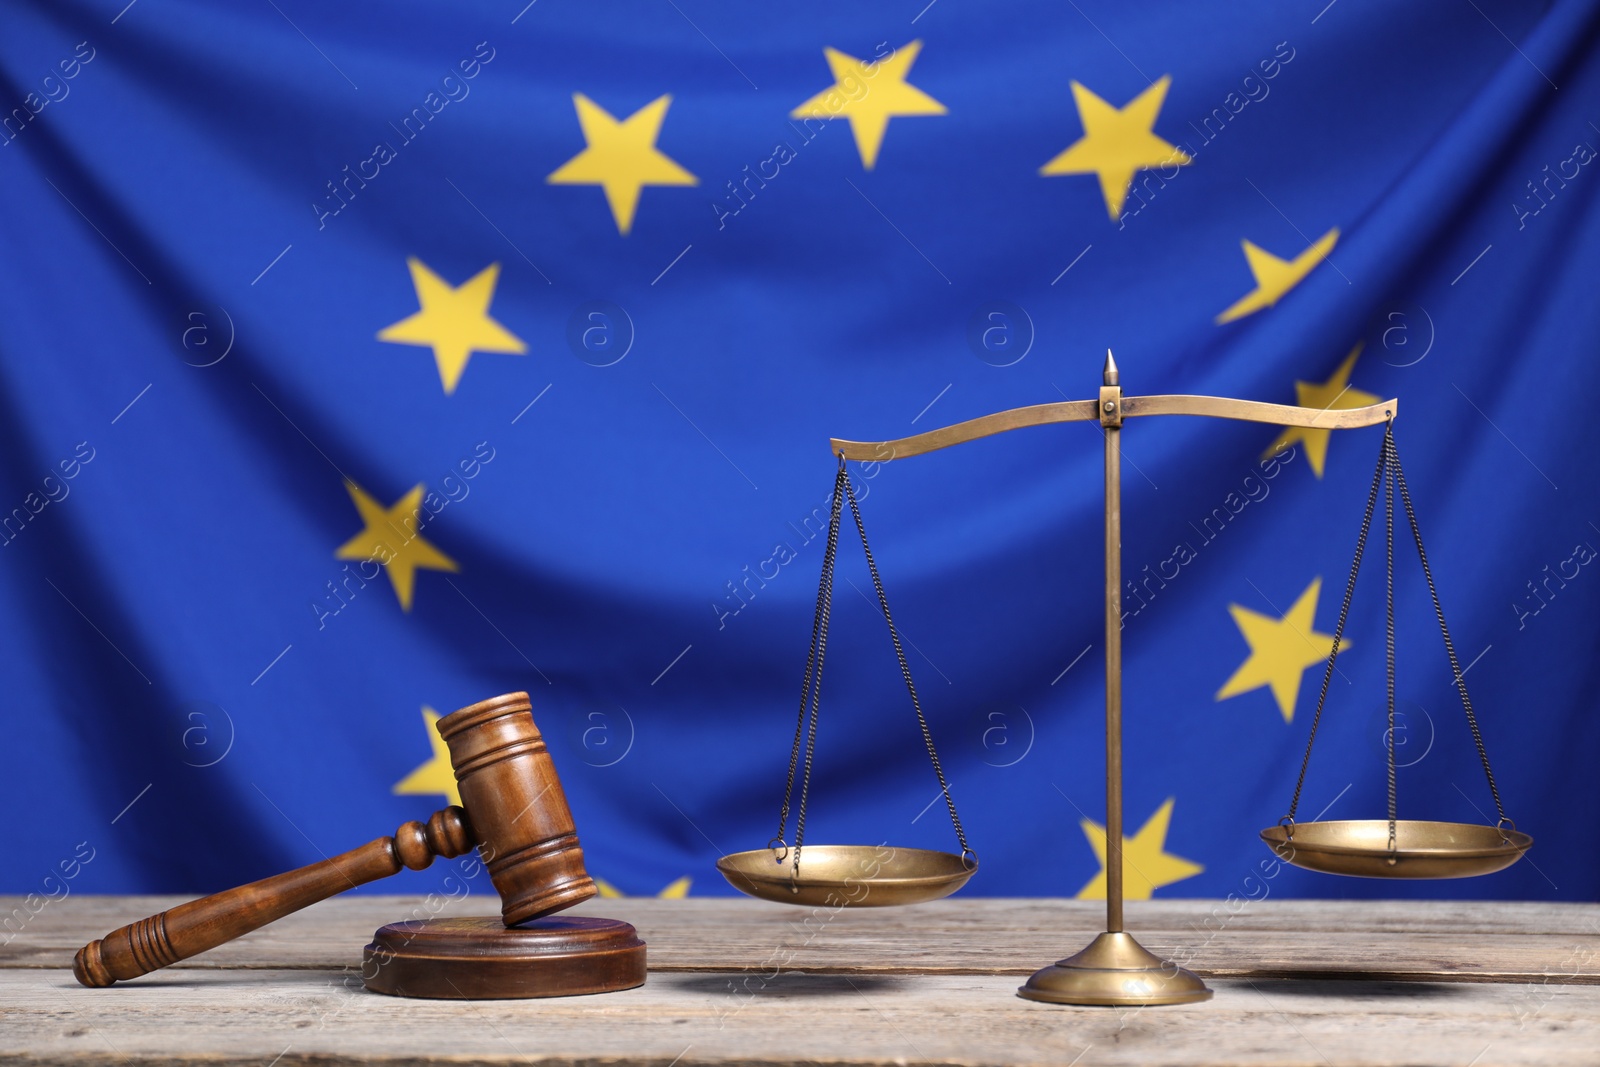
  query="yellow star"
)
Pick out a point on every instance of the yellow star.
point(1146, 865)
point(1331, 395)
point(869, 96)
point(435, 777)
point(1280, 650)
point(454, 322)
point(392, 539)
point(676, 890)
point(622, 157)
point(1117, 143)
point(1275, 276)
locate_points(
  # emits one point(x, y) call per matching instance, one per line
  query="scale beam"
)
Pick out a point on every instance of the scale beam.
point(1088, 411)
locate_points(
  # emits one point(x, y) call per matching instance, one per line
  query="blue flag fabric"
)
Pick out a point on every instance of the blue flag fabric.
point(362, 362)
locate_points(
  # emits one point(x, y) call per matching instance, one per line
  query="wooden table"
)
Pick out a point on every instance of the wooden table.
point(739, 981)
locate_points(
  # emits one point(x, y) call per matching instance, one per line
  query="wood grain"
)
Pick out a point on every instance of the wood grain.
point(1455, 940)
point(741, 981)
point(313, 1019)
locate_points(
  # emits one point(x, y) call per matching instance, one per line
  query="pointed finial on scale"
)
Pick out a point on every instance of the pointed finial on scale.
point(1110, 374)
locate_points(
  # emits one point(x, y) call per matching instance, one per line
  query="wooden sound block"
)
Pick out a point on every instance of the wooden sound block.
point(482, 959)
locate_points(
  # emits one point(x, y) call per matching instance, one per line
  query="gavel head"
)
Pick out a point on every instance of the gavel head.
point(515, 805)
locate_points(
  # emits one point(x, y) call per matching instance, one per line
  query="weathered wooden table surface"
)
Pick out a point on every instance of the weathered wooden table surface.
point(739, 981)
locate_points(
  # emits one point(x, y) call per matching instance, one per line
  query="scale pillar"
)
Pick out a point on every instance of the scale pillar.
point(1111, 429)
point(1115, 969)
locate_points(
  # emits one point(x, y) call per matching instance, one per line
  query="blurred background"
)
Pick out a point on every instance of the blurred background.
point(363, 362)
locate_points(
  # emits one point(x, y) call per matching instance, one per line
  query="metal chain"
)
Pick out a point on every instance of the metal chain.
point(1449, 646)
point(1388, 624)
point(1338, 635)
point(967, 854)
point(810, 689)
point(1392, 475)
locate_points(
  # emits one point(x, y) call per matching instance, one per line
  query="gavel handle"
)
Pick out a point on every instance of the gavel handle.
point(191, 928)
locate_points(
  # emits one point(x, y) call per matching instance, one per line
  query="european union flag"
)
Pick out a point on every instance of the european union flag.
point(365, 361)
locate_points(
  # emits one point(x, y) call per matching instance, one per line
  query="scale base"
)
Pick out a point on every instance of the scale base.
point(1115, 970)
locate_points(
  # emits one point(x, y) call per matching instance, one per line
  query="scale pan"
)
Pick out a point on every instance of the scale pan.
point(1422, 849)
point(860, 876)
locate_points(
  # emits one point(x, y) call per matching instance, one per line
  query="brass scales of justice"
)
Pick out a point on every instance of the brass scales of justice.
point(1115, 969)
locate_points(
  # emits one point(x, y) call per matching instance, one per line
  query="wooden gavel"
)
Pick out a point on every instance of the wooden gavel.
point(513, 809)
